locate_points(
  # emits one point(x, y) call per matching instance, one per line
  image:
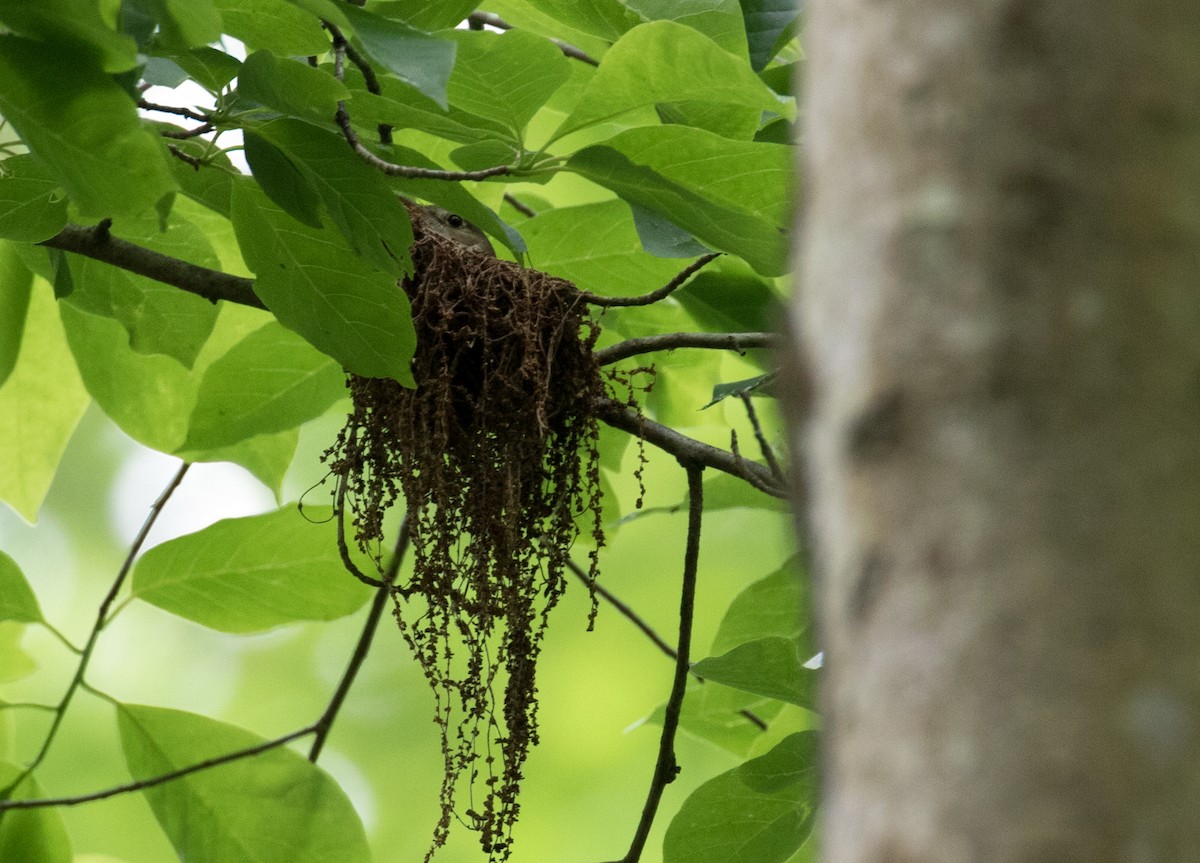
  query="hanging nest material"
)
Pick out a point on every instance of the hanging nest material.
point(495, 454)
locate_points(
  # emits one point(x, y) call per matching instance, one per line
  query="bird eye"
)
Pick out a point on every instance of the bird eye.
point(455, 220)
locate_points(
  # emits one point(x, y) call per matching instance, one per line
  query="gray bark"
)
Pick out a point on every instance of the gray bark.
point(999, 312)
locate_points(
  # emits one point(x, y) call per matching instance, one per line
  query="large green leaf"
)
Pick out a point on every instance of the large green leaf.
point(275, 25)
point(775, 605)
point(415, 57)
point(370, 216)
point(83, 127)
point(291, 87)
point(750, 176)
point(770, 667)
point(718, 224)
point(186, 23)
point(719, 20)
point(506, 77)
point(254, 573)
point(210, 68)
point(31, 835)
point(664, 61)
point(319, 288)
point(75, 23)
point(274, 807)
point(768, 24)
point(427, 14)
point(32, 206)
point(17, 601)
point(160, 319)
point(759, 812)
point(40, 405)
point(282, 180)
point(270, 381)
point(15, 284)
point(596, 247)
point(151, 397)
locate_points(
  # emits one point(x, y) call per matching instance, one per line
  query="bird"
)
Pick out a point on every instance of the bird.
point(454, 227)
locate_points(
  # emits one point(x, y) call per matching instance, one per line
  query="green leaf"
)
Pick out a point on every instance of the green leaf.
point(211, 184)
point(15, 661)
point(405, 107)
point(31, 835)
point(769, 23)
point(326, 10)
point(607, 19)
point(291, 87)
point(274, 807)
point(266, 456)
point(40, 404)
point(506, 76)
point(726, 297)
point(719, 20)
point(275, 25)
point(17, 601)
point(754, 177)
point(75, 24)
point(415, 57)
point(763, 385)
point(666, 62)
point(32, 205)
point(663, 238)
point(212, 69)
point(775, 605)
point(15, 284)
point(320, 289)
point(282, 180)
point(270, 381)
point(717, 224)
point(187, 23)
point(83, 127)
point(597, 248)
point(160, 319)
point(770, 667)
point(251, 574)
point(427, 14)
point(370, 216)
point(724, 491)
point(759, 812)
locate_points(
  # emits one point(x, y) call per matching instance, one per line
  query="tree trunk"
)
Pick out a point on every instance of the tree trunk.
point(1000, 316)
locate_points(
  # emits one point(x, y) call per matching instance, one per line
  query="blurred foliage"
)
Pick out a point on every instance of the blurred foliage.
point(660, 132)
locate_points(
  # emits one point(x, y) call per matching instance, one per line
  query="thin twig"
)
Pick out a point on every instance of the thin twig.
point(740, 342)
point(767, 450)
point(320, 727)
point(43, 802)
point(410, 171)
point(521, 208)
point(477, 21)
point(343, 548)
point(97, 243)
point(184, 134)
point(655, 295)
point(323, 725)
point(186, 158)
point(667, 768)
point(369, 76)
point(101, 620)
point(636, 619)
point(171, 109)
point(687, 449)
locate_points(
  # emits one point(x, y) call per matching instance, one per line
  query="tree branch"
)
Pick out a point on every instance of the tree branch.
point(626, 611)
point(688, 449)
point(101, 620)
point(323, 725)
point(739, 342)
point(478, 20)
point(320, 727)
point(655, 295)
point(667, 768)
point(100, 245)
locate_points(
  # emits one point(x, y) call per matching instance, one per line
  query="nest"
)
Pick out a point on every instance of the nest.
point(495, 454)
